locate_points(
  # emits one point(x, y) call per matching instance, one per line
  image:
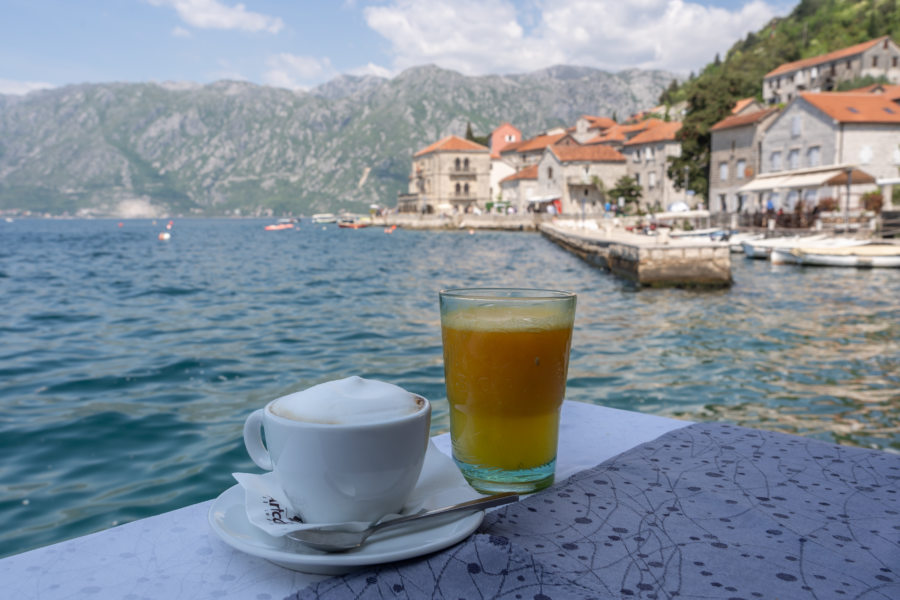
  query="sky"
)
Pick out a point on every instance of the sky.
point(300, 44)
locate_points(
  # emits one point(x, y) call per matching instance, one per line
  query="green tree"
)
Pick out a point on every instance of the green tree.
point(628, 188)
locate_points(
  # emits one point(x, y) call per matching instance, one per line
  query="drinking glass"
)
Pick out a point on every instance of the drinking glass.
point(506, 355)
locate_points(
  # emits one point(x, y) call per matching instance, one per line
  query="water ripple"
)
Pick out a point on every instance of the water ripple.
point(127, 365)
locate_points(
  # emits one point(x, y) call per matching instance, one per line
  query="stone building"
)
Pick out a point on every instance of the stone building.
point(450, 175)
point(876, 58)
point(516, 189)
point(735, 160)
point(816, 138)
point(567, 177)
point(648, 155)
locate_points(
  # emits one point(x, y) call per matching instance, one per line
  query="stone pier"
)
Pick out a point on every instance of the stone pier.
point(653, 261)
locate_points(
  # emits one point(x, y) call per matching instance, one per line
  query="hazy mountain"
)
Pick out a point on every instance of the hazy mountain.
point(181, 148)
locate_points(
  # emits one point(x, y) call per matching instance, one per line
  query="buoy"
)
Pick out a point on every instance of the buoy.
point(471, 232)
point(120, 223)
point(164, 235)
point(169, 224)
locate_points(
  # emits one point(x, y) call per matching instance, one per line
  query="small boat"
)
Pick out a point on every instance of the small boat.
point(785, 254)
point(763, 248)
point(354, 223)
point(324, 218)
point(867, 255)
point(281, 225)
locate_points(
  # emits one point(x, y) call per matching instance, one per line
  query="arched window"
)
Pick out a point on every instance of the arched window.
point(457, 189)
point(457, 164)
point(466, 189)
point(466, 164)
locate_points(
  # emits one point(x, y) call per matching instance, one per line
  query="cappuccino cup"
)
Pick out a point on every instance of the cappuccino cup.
point(345, 450)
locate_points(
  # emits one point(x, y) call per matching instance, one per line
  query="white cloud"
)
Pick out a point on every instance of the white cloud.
point(18, 88)
point(487, 36)
point(372, 69)
point(212, 14)
point(181, 32)
point(297, 72)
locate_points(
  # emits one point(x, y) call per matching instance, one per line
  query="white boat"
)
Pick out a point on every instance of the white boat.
point(785, 254)
point(868, 255)
point(324, 218)
point(763, 248)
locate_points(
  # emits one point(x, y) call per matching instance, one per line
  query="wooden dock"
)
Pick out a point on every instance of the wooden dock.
point(652, 261)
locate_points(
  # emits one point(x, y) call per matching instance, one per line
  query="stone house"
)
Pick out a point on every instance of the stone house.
point(648, 155)
point(879, 57)
point(450, 175)
point(735, 160)
point(567, 176)
point(617, 135)
point(816, 138)
point(516, 189)
point(530, 151)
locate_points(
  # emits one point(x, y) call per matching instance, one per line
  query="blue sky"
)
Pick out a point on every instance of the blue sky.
point(300, 44)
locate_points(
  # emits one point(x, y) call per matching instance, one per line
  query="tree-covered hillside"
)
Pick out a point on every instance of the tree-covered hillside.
point(814, 27)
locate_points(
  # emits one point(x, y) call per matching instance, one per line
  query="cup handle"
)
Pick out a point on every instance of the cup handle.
point(253, 440)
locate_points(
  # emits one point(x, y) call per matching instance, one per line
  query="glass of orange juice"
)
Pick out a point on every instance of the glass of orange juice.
point(506, 355)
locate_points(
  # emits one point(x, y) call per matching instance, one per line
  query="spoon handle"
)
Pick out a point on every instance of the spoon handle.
point(476, 504)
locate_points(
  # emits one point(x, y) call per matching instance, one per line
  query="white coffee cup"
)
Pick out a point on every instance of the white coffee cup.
point(357, 465)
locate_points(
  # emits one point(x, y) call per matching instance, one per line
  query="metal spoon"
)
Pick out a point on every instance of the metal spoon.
point(335, 539)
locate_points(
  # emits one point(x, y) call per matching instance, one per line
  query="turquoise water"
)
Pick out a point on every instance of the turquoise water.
point(127, 364)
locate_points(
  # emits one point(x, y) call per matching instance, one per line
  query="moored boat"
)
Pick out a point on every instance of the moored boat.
point(763, 248)
point(324, 218)
point(867, 256)
point(786, 255)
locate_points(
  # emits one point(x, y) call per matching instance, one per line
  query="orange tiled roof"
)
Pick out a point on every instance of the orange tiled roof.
point(855, 108)
point(594, 153)
point(664, 132)
point(452, 143)
point(512, 146)
point(599, 122)
point(540, 142)
point(526, 173)
point(741, 105)
point(619, 133)
point(885, 90)
point(824, 58)
point(741, 120)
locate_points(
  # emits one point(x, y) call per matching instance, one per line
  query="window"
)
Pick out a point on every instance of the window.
point(874, 61)
point(794, 159)
point(466, 189)
point(648, 153)
point(549, 172)
point(812, 156)
point(457, 164)
point(894, 61)
point(637, 178)
point(466, 164)
point(775, 161)
point(458, 189)
point(796, 123)
point(636, 155)
point(849, 64)
point(814, 72)
point(651, 182)
point(740, 169)
point(723, 171)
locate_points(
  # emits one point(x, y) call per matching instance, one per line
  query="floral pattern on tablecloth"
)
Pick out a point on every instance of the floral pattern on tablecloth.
point(707, 511)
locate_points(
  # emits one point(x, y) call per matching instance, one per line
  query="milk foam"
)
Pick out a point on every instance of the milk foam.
point(349, 401)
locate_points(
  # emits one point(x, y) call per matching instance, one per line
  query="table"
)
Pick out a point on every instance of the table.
point(175, 555)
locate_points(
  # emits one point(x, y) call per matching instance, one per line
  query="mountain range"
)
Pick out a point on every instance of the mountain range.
point(229, 147)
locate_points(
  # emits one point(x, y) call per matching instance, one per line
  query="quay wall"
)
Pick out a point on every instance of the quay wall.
point(646, 260)
point(528, 222)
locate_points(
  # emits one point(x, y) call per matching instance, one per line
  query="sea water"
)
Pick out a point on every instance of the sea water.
point(128, 364)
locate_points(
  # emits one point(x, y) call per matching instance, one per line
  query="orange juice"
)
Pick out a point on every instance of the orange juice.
point(505, 365)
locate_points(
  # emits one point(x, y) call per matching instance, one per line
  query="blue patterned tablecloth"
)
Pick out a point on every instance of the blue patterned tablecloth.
point(707, 511)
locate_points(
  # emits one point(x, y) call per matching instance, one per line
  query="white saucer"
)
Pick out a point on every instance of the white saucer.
point(228, 518)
